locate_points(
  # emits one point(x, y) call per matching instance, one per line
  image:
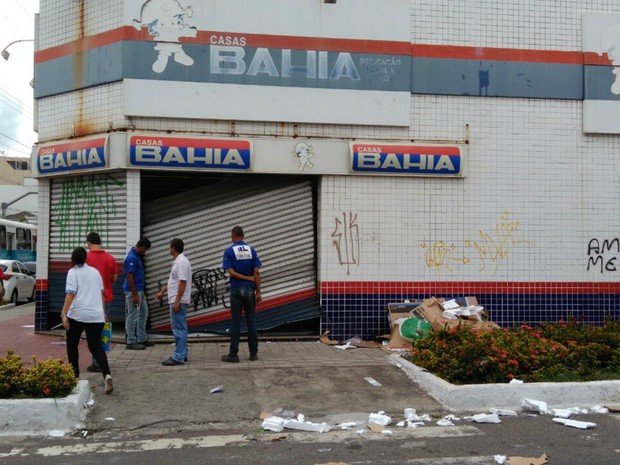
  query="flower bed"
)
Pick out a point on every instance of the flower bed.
point(47, 378)
point(563, 351)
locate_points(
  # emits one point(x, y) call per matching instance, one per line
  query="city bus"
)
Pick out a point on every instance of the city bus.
point(18, 241)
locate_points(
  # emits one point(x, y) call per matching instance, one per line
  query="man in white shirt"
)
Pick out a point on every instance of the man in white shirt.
point(179, 291)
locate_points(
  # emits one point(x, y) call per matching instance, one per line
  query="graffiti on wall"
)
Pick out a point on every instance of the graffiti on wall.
point(347, 240)
point(86, 204)
point(599, 254)
point(210, 288)
point(489, 248)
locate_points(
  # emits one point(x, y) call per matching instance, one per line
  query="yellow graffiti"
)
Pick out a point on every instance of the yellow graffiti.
point(491, 247)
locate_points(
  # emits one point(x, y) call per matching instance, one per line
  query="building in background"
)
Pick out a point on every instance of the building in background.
point(373, 152)
point(18, 188)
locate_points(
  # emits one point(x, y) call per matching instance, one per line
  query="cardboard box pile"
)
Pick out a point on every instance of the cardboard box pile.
point(471, 315)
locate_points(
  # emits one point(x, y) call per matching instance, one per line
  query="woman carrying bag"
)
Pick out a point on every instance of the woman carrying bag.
point(83, 311)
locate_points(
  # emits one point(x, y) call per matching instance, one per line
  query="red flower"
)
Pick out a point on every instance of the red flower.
point(46, 391)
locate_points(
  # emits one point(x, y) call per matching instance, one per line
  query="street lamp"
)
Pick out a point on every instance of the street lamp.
point(5, 53)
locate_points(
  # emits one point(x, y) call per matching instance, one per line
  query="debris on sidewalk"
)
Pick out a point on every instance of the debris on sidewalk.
point(346, 346)
point(502, 412)
point(528, 460)
point(501, 459)
point(277, 424)
point(535, 406)
point(326, 340)
point(379, 418)
point(575, 423)
point(219, 388)
point(373, 382)
point(486, 418)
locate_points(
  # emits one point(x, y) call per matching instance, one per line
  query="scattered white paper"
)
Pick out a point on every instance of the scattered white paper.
point(450, 304)
point(346, 346)
point(373, 381)
point(502, 412)
point(219, 388)
point(486, 418)
point(599, 409)
point(109, 419)
point(535, 406)
point(501, 459)
point(379, 418)
point(575, 423)
point(444, 422)
point(56, 433)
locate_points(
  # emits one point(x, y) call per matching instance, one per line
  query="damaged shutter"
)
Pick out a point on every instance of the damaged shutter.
point(277, 215)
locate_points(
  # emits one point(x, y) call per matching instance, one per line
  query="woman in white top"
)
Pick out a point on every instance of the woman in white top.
point(83, 311)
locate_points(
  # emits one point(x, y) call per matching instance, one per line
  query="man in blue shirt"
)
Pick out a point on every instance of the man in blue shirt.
point(242, 263)
point(136, 308)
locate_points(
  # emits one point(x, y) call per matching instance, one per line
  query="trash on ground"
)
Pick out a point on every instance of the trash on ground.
point(373, 381)
point(500, 459)
point(90, 403)
point(486, 418)
point(410, 413)
point(56, 433)
point(387, 431)
point(566, 412)
point(277, 424)
point(535, 406)
point(444, 422)
point(502, 412)
point(468, 315)
point(219, 388)
point(109, 419)
point(346, 346)
point(379, 418)
point(599, 409)
point(347, 425)
point(528, 460)
point(326, 340)
point(613, 408)
point(375, 428)
point(575, 423)
point(515, 381)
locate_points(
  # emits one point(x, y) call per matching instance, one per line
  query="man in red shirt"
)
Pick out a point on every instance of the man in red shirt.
point(105, 263)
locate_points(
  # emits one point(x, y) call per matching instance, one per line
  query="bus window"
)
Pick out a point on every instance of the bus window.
point(2, 237)
point(24, 239)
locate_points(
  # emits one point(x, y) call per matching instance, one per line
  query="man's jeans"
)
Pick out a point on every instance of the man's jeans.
point(135, 318)
point(178, 321)
point(243, 297)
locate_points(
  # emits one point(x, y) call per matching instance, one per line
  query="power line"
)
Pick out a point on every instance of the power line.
point(14, 140)
point(15, 103)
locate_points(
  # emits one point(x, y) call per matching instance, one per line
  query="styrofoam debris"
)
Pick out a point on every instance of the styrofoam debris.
point(575, 423)
point(414, 424)
point(409, 413)
point(219, 388)
point(501, 459)
point(561, 412)
point(599, 409)
point(56, 433)
point(451, 418)
point(401, 424)
point(301, 417)
point(346, 346)
point(109, 419)
point(360, 431)
point(450, 304)
point(515, 381)
point(386, 431)
point(307, 426)
point(347, 425)
point(379, 418)
point(486, 418)
point(274, 423)
point(444, 422)
point(535, 406)
point(90, 403)
point(502, 412)
point(373, 381)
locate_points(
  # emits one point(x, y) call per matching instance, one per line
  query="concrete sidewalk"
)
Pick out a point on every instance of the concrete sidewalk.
point(323, 383)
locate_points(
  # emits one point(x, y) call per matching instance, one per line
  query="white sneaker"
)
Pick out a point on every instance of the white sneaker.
point(109, 387)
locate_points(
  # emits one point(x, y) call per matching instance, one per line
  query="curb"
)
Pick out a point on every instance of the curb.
point(482, 397)
point(37, 417)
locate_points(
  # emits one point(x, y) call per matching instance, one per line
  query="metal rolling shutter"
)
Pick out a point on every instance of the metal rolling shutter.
point(277, 215)
point(78, 205)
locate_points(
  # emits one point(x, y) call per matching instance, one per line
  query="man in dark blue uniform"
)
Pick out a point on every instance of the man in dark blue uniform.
point(242, 263)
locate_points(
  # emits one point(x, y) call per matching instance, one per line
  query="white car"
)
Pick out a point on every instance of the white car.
point(19, 284)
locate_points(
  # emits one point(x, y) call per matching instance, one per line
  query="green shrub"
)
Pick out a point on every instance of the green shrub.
point(47, 378)
point(550, 352)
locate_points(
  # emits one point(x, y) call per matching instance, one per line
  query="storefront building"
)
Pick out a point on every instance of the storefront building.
point(374, 152)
